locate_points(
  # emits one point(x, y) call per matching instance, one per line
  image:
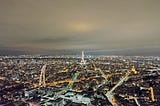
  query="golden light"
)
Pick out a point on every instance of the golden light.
point(81, 27)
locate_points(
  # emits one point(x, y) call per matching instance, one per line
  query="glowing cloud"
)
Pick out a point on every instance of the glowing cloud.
point(81, 27)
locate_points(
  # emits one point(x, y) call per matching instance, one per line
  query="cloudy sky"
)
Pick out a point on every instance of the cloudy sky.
point(45, 25)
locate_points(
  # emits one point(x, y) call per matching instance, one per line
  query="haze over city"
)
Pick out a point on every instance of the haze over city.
point(126, 27)
point(79, 53)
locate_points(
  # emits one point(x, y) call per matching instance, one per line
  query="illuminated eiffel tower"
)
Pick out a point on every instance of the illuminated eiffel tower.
point(83, 62)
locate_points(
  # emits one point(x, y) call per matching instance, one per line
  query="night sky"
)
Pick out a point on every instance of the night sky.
point(44, 26)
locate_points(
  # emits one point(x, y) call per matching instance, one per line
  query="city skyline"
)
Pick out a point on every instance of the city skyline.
point(121, 27)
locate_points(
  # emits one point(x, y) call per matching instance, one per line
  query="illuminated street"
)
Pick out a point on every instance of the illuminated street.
point(79, 52)
point(119, 78)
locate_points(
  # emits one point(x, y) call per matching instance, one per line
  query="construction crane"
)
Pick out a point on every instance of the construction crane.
point(70, 84)
point(151, 92)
